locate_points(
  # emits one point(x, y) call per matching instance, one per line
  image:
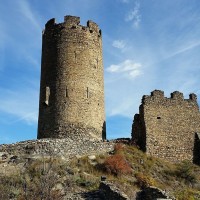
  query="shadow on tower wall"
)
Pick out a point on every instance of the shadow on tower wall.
point(196, 151)
point(104, 131)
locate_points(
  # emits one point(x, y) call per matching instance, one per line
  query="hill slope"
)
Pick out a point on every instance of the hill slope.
point(126, 167)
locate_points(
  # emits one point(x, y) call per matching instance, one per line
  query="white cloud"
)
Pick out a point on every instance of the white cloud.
point(120, 44)
point(134, 15)
point(128, 67)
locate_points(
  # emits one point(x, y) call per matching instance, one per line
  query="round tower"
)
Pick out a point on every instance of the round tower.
point(72, 85)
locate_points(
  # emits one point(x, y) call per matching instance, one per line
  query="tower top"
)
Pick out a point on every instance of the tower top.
point(73, 22)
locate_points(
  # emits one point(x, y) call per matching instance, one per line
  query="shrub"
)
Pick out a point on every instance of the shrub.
point(116, 165)
point(39, 181)
point(9, 186)
point(185, 171)
point(144, 180)
point(118, 147)
point(185, 194)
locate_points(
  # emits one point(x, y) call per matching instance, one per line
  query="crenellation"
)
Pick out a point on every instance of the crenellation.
point(176, 95)
point(157, 94)
point(193, 97)
point(93, 27)
point(71, 21)
point(157, 97)
point(50, 23)
point(144, 98)
point(100, 33)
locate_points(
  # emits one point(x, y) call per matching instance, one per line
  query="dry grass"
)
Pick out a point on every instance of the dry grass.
point(127, 167)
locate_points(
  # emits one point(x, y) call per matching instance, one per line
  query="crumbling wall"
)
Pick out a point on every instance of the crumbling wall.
point(167, 126)
point(65, 148)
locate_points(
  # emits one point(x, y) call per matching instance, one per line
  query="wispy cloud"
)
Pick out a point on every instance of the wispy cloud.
point(22, 38)
point(134, 15)
point(33, 61)
point(3, 39)
point(120, 44)
point(22, 104)
point(128, 67)
point(184, 49)
point(122, 108)
point(3, 35)
point(125, 1)
point(26, 11)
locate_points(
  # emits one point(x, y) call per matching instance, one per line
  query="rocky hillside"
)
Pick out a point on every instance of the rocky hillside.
point(124, 172)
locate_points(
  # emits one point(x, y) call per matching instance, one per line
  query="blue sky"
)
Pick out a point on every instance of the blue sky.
point(147, 45)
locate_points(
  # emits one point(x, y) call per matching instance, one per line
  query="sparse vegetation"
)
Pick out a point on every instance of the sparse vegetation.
point(185, 170)
point(144, 180)
point(127, 167)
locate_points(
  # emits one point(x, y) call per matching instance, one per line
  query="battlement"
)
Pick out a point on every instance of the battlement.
point(193, 97)
point(73, 22)
point(50, 23)
point(177, 95)
point(158, 95)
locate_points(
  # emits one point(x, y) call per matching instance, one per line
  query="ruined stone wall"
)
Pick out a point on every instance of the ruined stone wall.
point(66, 148)
point(166, 127)
point(72, 85)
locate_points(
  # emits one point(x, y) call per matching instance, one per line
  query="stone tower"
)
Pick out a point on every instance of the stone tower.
point(72, 85)
point(168, 127)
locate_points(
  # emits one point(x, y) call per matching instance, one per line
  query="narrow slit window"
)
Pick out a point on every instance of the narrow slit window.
point(75, 56)
point(87, 92)
point(66, 92)
point(47, 94)
point(158, 117)
point(97, 63)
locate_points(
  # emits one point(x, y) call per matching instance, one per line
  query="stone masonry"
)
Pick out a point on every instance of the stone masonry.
point(167, 127)
point(66, 148)
point(72, 84)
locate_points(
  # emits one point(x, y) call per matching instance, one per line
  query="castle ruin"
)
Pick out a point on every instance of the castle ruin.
point(72, 97)
point(168, 127)
point(72, 84)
